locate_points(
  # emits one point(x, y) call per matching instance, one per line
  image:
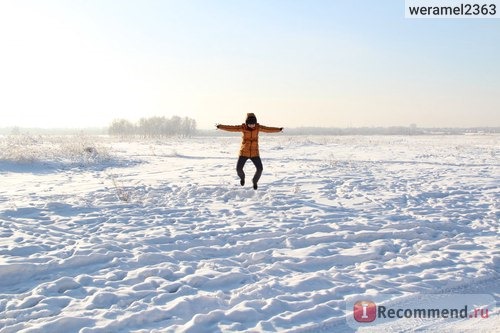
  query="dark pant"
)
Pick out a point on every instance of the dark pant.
point(258, 165)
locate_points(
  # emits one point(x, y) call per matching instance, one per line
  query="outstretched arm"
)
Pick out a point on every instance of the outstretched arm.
point(230, 128)
point(267, 129)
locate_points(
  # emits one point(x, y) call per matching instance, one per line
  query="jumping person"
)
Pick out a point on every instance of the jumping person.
point(250, 145)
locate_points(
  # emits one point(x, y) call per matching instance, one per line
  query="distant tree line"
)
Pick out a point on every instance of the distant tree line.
point(394, 130)
point(154, 127)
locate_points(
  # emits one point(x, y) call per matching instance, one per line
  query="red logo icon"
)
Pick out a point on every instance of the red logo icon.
point(365, 311)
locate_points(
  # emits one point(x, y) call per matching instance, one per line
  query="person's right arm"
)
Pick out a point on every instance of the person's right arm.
point(230, 128)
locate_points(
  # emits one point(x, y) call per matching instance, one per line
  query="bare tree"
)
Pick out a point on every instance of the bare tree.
point(154, 127)
point(121, 127)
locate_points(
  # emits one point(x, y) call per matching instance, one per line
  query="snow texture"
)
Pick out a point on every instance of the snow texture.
point(158, 236)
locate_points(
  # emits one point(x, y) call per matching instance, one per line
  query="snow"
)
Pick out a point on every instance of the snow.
point(158, 235)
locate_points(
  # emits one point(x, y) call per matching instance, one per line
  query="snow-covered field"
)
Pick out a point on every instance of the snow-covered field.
point(101, 235)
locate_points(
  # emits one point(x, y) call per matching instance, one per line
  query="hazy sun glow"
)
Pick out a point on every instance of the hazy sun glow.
point(315, 63)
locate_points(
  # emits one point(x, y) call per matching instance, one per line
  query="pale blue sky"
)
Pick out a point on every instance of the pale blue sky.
point(294, 63)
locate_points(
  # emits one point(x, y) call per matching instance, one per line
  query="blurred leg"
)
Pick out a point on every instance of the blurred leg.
point(239, 169)
point(259, 168)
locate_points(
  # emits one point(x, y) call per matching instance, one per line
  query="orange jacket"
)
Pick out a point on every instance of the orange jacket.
point(250, 142)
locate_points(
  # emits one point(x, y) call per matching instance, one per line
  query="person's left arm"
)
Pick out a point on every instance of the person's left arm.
point(267, 129)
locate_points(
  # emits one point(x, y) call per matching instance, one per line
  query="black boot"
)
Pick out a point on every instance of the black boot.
point(242, 181)
point(255, 185)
